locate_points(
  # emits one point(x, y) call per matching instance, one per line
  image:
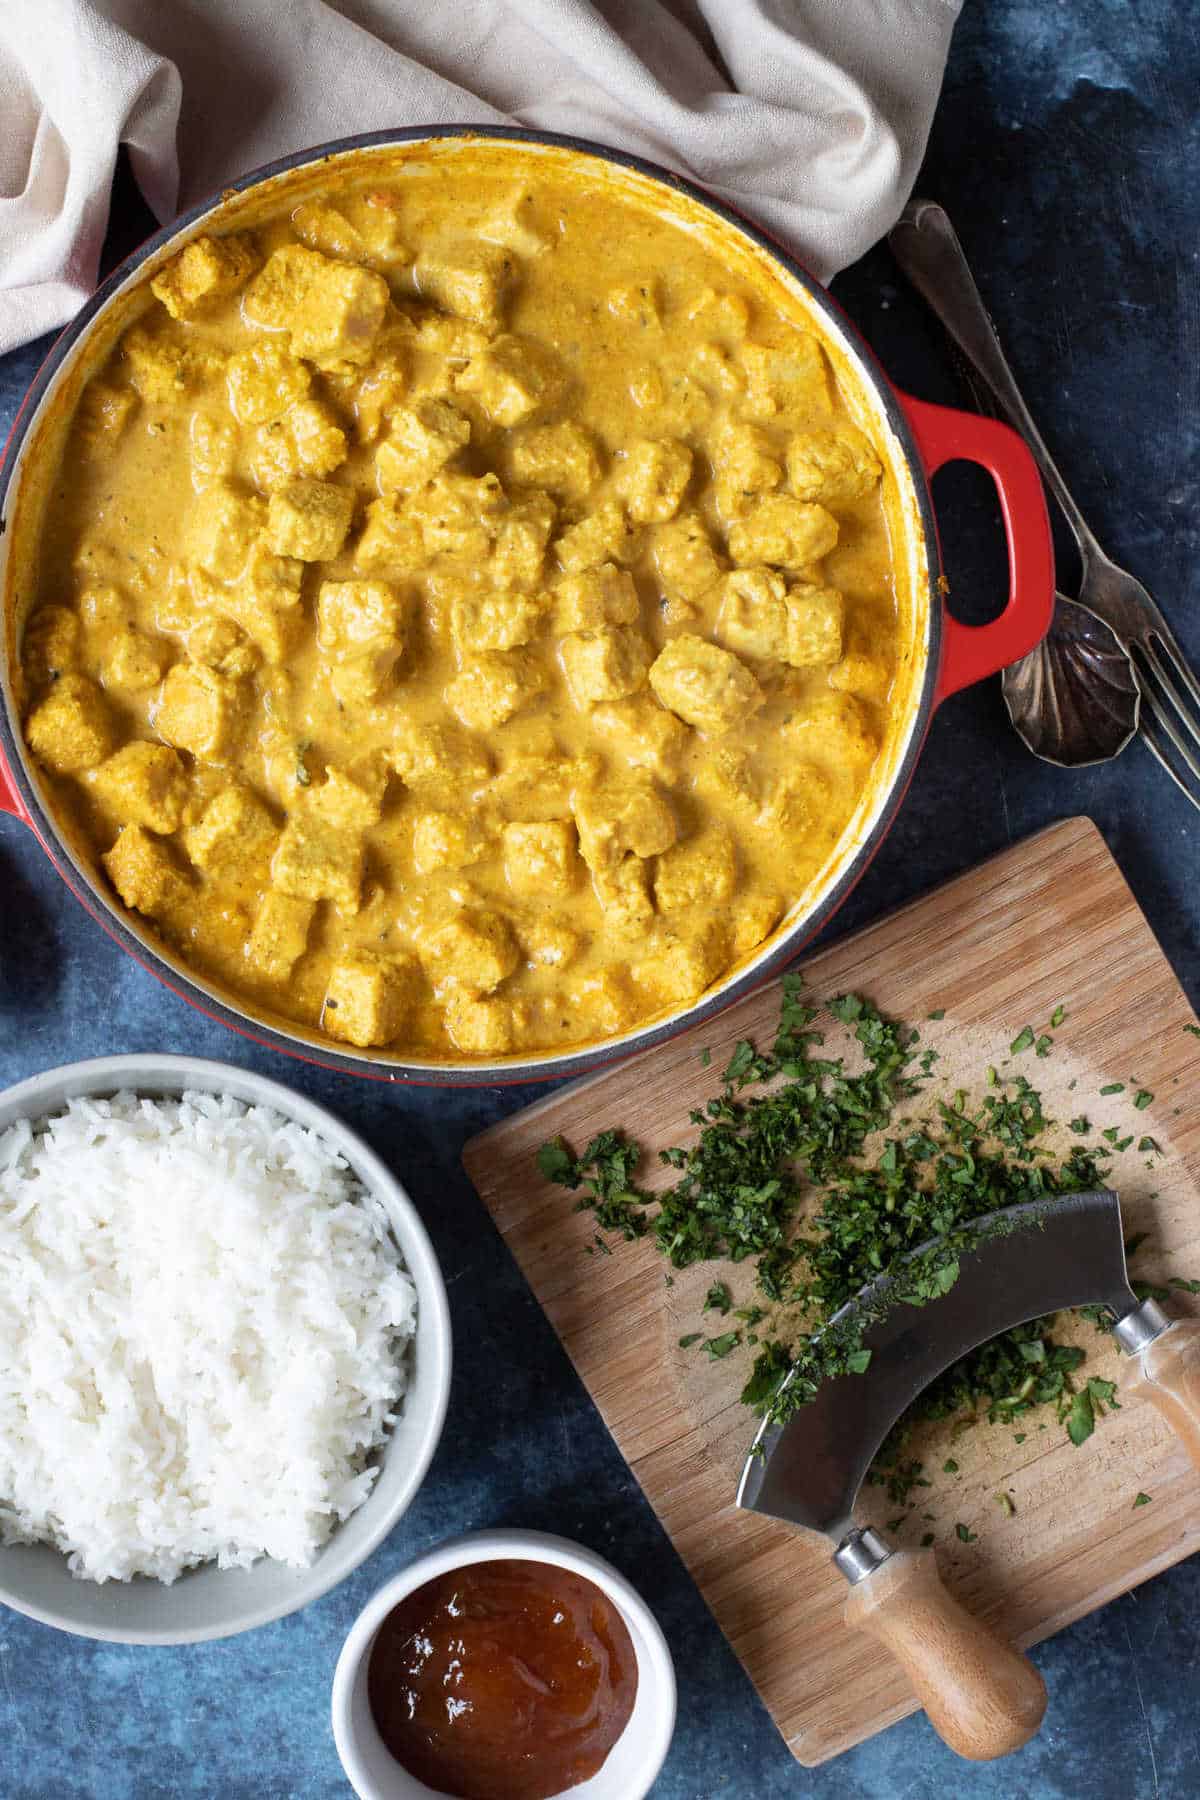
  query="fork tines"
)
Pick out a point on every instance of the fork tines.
point(1170, 715)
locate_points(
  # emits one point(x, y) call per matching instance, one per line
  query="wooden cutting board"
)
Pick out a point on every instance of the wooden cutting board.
point(1048, 922)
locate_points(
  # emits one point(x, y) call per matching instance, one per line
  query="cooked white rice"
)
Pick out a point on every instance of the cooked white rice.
point(204, 1323)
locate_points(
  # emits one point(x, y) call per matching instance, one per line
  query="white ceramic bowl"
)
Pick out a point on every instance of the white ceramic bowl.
point(637, 1756)
point(208, 1602)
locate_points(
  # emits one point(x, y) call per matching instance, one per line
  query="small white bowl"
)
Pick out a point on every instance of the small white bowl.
point(208, 1602)
point(634, 1761)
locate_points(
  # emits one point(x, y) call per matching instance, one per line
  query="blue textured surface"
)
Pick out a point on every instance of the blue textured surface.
point(1066, 151)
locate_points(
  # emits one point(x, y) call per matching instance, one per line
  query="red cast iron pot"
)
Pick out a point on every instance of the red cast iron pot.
point(920, 437)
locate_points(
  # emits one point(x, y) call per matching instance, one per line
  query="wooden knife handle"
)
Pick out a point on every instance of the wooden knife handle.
point(1168, 1376)
point(982, 1696)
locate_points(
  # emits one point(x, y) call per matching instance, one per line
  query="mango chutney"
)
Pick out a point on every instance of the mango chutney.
point(464, 621)
point(504, 1680)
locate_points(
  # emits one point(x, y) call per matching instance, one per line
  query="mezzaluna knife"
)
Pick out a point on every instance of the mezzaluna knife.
point(981, 1694)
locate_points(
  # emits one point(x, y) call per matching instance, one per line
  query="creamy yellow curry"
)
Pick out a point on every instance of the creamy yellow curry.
point(465, 620)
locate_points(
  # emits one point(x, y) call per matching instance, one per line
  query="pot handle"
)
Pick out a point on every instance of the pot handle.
point(971, 652)
point(9, 801)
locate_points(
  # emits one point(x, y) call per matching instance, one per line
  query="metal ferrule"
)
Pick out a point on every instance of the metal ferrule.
point(859, 1554)
point(1140, 1327)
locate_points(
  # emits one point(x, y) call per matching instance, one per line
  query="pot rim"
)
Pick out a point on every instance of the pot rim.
point(590, 1058)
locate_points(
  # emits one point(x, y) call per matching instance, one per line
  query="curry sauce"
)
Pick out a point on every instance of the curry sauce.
point(467, 623)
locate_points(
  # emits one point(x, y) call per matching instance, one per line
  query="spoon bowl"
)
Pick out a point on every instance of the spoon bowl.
point(1074, 700)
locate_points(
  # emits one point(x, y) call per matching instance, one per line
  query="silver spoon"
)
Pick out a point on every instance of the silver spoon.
point(1076, 698)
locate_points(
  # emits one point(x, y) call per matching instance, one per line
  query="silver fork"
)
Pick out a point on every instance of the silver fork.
point(930, 254)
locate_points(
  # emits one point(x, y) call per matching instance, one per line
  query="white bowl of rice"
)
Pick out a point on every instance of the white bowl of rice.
point(224, 1349)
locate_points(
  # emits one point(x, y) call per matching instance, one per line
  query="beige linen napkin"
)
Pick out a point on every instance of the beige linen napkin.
point(808, 115)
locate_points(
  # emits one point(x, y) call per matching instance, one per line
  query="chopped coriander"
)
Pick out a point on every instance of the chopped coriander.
point(1184, 1287)
point(1142, 1099)
point(1103, 1393)
point(770, 1366)
point(1022, 1041)
point(1057, 1017)
point(895, 1524)
point(1081, 1125)
point(605, 1170)
point(899, 1479)
point(1081, 1418)
point(554, 1160)
point(926, 1539)
point(1019, 1437)
point(1006, 1503)
point(1142, 1500)
point(1193, 1030)
point(718, 1298)
point(938, 1013)
point(1114, 1087)
point(705, 1057)
point(1044, 1045)
point(965, 1534)
point(690, 1338)
point(949, 1467)
point(744, 1066)
point(1149, 1146)
point(783, 1178)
